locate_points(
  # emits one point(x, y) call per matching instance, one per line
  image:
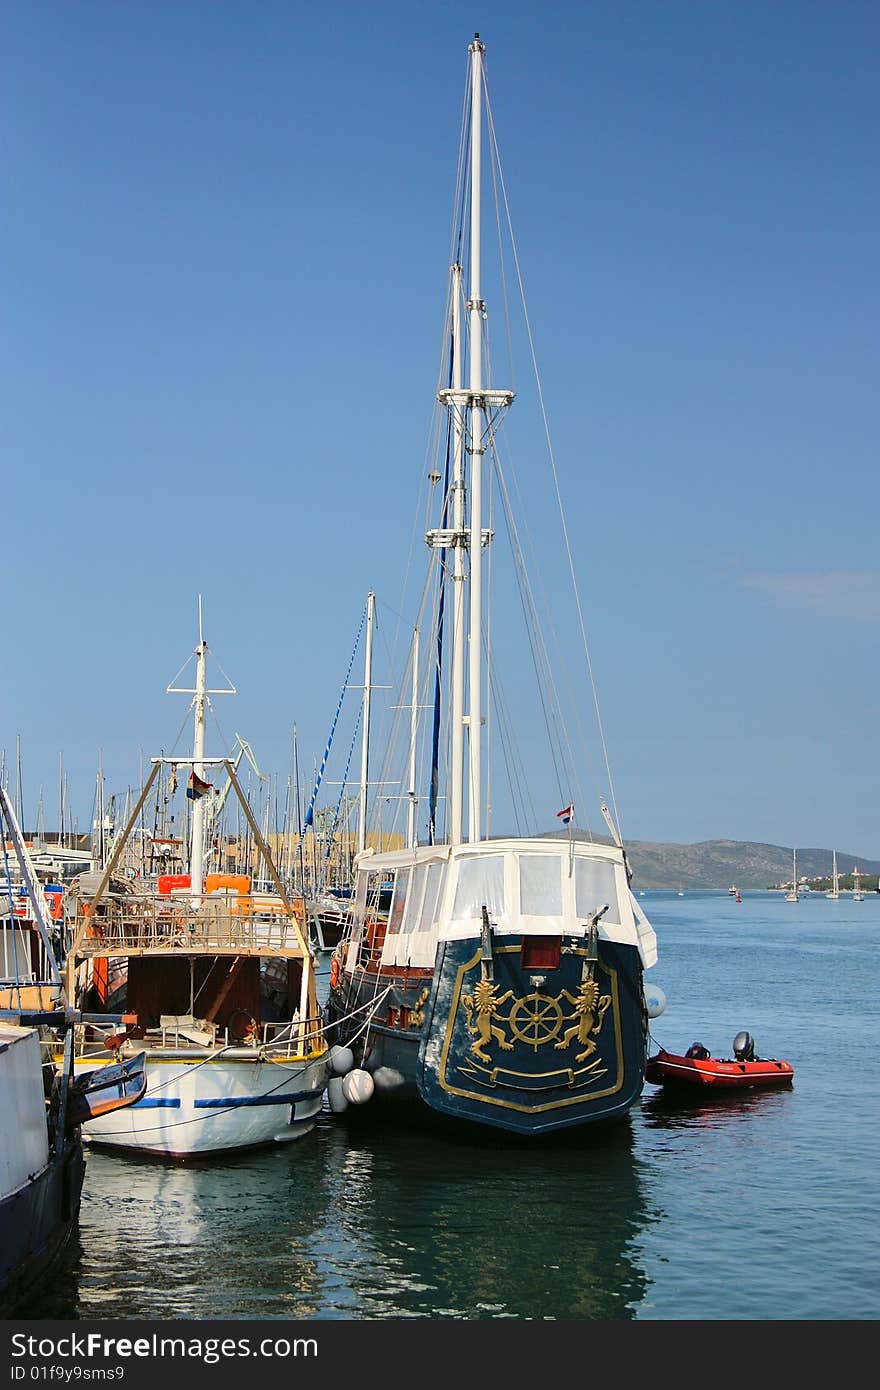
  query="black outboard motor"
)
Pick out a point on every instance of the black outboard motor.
point(744, 1047)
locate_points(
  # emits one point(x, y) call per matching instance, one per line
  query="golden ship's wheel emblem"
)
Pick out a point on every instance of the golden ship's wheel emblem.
point(535, 1020)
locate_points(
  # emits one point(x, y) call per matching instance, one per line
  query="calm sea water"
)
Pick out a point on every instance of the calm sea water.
point(760, 1206)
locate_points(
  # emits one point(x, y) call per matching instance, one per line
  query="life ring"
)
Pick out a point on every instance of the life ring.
point(334, 972)
point(242, 1026)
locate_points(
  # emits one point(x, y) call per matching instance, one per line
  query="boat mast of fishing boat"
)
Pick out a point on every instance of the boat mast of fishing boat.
point(198, 788)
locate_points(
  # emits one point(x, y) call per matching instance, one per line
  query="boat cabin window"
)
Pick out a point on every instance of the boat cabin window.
point(431, 899)
point(369, 890)
point(595, 883)
point(398, 901)
point(480, 881)
point(414, 901)
point(540, 885)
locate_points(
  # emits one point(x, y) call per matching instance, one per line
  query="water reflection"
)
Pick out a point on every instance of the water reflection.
point(223, 1239)
point(363, 1222)
point(670, 1109)
point(445, 1228)
point(658, 1222)
point(57, 1297)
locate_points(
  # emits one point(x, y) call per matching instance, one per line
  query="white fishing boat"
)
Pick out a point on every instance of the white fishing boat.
point(220, 1075)
point(504, 985)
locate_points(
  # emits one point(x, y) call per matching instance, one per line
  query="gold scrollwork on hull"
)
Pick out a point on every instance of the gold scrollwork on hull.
point(495, 1084)
point(564, 1078)
point(589, 1010)
point(534, 1019)
point(481, 1007)
point(417, 1012)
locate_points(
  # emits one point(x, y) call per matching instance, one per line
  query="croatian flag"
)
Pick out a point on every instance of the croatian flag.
point(197, 788)
point(566, 814)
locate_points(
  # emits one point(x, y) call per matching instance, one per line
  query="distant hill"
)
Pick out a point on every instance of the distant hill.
point(715, 864)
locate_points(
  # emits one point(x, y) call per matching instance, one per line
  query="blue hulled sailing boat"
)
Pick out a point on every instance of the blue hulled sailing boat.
point(495, 981)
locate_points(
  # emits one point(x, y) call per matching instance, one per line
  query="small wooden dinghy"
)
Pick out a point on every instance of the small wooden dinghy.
point(699, 1068)
point(107, 1088)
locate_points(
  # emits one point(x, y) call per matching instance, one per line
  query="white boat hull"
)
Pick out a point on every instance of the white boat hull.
point(197, 1106)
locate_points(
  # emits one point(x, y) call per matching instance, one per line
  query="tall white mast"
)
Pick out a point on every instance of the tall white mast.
point(475, 346)
point(197, 820)
point(19, 811)
point(98, 846)
point(365, 732)
point(459, 615)
point(197, 850)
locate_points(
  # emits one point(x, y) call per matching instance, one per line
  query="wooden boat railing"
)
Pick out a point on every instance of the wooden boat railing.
point(143, 924)
point(93, 1041)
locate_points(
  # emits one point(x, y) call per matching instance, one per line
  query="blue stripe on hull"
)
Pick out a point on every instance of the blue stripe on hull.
point(229, 1102)
point(156, 1103)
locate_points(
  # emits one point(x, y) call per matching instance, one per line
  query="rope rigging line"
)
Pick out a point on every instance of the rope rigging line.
point(311, 807)
point(560, 664)
point(537, 648)
point(540, 660)
point(554, 471)
point(390, 746)
point(441, 613)
point(335, 824)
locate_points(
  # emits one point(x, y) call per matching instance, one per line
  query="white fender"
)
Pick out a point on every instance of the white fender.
point(655, 1001)
point(341, 1060)
point(336, 1095)
point(357, 1086)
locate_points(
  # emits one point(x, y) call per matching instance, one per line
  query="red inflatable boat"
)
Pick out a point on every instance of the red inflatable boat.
point(666, 1069)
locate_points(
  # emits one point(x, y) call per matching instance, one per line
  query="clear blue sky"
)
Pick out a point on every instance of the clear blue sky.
point(225, 238)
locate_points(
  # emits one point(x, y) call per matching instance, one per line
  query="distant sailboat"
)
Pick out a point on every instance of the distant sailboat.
point(857, 893)
point(680, 891)
point(793, 896)
point(835, 882)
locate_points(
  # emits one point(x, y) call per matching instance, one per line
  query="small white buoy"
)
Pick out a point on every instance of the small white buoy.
point(357, 1086)
point(341, 1060)
point(336, 1095)
point(655, 1000)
